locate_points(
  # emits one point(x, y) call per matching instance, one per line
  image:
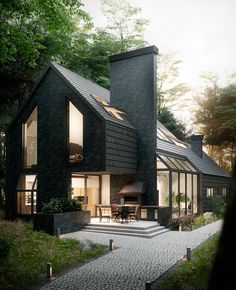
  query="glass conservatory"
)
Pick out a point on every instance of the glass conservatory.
point(177, 184)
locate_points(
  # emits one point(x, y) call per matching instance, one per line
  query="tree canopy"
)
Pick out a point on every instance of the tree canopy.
point(32, 33)
point(170, 91)
point(124, 23)
point(216, 120)
point(167, 118)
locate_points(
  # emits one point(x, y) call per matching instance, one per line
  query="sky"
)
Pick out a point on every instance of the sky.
point(202, 33)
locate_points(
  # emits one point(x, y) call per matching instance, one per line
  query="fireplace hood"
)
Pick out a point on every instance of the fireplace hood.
point(134, 188)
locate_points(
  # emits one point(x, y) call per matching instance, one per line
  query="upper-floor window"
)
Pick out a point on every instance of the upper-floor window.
point(75, 134)
point(30, 140)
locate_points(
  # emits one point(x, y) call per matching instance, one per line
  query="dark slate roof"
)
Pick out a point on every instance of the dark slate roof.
point(90, 91)
point(204, 165)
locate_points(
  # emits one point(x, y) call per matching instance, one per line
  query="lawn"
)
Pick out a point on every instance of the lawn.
point(193, 274)
point(30, 251)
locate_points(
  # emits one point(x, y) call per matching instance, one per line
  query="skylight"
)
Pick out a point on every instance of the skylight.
point(171, 162)
point(167, 136)
point(112, 111)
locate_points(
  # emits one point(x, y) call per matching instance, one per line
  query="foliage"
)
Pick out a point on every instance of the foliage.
point(124, 24)
point(216, 120)
point(193, 274)
point(5, 249)
point(215, 204)
point(177, 128)
point(58, 205)
point(32, 250)
point(170, 91)
point(181, 197)
point(32, 33)
point(90, 52)
point(89, 55)
point(184, 221)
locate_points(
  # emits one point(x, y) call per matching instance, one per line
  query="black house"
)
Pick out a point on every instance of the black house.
point(75, 139)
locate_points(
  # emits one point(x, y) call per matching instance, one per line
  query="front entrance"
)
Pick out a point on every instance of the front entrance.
point(90, 190)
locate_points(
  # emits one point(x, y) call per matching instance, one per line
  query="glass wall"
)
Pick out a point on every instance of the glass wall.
point(177, 185)
point(163, 187)
point(175, 193)
point(27, 194)
point(30, 140)
point(86, 188)
point(75, 134)
point(195, 186)
point(189, 194)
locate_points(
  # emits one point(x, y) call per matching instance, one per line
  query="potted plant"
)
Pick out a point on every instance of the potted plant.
point(180, 199)
point(61, 215)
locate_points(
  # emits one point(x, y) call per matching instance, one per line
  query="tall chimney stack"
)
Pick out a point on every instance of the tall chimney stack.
point(134, 90)
point(196, 144)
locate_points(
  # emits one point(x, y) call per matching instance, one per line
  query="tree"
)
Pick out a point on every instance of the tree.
point(124, 24)
point(216, 120)
point(166, 117)
point(32, 33)
point(169, 90)
point(90, 53)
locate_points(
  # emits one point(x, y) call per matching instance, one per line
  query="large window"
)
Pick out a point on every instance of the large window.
point(26, 194)
point(163, 187)
point(86, 188)
point(30, 140)
point(75, 134)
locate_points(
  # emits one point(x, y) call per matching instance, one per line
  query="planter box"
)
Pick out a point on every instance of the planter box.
point(67, 222)
point(164, 215)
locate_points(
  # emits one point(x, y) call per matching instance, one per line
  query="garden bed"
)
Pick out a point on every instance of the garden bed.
point(65, 222)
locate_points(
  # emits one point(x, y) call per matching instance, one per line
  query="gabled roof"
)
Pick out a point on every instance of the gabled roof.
point(204, 165)
point(90, 91)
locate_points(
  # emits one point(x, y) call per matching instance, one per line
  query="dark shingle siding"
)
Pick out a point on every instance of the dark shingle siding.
point(90, 91)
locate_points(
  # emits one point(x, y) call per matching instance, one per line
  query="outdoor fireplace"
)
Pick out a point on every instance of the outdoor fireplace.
point(131, 193)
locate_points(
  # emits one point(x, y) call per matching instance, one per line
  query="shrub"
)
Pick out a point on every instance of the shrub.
point(58, 205)
point(184, 221)
point(215, 204)
point(5, 249)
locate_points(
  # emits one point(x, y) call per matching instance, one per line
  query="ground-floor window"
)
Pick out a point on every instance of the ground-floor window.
point(26, 194)
point(87, 189)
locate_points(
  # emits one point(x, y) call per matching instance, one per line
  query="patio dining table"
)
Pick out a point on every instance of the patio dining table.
point(123, 213)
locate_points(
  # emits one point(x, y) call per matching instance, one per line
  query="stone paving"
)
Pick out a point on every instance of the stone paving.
point(136, 261)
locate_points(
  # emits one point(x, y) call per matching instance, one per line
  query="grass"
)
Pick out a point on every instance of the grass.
point(30, 252)
point(193, 274)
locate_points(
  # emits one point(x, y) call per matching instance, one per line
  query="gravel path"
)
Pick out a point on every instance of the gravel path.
point(136, 261)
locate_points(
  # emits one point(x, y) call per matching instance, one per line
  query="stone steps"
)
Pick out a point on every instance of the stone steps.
point(142, 231)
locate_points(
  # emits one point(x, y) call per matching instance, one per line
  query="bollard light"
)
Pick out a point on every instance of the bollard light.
point(188, 254)
point(58, 232)
point(180, 227)
point(111, 245)
point(49, 270)
point(148, 285)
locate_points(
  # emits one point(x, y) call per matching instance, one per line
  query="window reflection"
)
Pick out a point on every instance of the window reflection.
point(75, 134)
point(30, 140)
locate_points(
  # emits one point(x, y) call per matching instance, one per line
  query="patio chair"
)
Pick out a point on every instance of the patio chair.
point(103, 214)
point(135, 213)
point(114, 212)
point(124, 214)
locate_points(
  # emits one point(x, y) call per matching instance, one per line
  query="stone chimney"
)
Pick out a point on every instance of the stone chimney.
point(134, 90)
point(196, 144)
